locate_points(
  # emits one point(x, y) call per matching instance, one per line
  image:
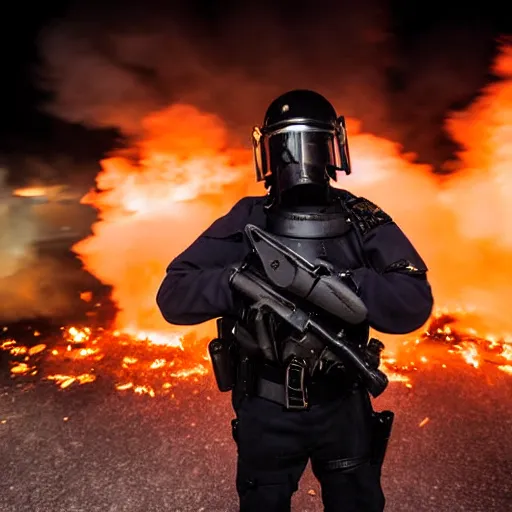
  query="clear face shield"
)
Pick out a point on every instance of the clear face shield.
point(301, 152)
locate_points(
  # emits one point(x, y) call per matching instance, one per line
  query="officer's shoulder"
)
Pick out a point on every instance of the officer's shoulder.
point(235, 220)
point(366, 214)
point(246, 204)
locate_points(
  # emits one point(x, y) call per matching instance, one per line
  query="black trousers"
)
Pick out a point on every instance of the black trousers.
point(274, 446)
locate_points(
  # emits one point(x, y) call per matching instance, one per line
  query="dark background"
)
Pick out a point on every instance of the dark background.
point(461, 36)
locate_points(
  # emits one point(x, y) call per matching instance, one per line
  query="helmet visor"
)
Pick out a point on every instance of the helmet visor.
point(300, 153)
point(296, 154)
point(301, 157)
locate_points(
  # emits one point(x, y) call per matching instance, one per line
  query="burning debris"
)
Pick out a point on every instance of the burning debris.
point(441, 342)
point(153, 365)
point(142, 363)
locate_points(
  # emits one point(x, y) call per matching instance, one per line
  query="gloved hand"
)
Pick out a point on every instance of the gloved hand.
point(332, 291)
point(241, 266)
point(242, 303)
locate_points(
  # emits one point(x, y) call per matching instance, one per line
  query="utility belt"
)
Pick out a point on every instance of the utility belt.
point(289, 385)
point(292, 387)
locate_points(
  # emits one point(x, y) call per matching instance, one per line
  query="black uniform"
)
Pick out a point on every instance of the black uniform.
point(335, 431)
point(398, 297)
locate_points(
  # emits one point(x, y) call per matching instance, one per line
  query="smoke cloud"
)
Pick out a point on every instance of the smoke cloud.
point(110, 66)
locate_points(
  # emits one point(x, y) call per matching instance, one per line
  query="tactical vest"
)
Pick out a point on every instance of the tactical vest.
point(330, 233)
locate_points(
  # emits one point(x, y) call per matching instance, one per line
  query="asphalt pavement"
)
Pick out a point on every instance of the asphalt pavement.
point(91, 448)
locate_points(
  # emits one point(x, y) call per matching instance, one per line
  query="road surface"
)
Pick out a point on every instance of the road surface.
point(92, 448)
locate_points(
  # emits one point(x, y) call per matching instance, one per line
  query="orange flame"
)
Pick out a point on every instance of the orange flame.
point(153, 203)
point(184, 171)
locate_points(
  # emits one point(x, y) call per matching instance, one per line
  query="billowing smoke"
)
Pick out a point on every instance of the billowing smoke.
point(110, 66)
point(40, 288)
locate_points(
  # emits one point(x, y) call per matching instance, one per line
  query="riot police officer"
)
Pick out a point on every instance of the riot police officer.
point(301, 146)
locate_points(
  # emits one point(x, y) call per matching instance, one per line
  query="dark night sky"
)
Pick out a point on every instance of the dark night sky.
point(25, 129)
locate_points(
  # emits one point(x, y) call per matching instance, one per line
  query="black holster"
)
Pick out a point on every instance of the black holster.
point(223, 354)
point(382, 423)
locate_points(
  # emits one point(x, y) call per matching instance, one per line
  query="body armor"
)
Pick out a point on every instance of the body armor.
point(330, 234)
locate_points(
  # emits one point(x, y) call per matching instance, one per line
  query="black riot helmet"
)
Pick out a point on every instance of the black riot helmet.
point(302, 142)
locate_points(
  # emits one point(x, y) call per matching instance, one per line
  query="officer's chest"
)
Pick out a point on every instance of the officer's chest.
point(343, 251)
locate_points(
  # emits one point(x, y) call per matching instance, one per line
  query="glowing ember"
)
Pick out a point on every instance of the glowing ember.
point(138, 365)
point(440, 342)
point(79, 356)
point(65, 381)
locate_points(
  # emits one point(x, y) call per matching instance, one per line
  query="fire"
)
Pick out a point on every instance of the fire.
point(80, 356)
point(445, 340)
point(48, 192)
point(181, 169)
point(185, 170)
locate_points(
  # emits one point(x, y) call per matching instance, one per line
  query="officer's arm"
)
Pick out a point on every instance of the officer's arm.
point(395, 291)
point(196, 288)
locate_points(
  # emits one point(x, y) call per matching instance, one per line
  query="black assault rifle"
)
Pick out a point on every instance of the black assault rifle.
point(288, 271)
